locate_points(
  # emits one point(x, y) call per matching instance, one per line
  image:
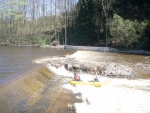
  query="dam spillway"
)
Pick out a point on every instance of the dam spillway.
point(35, 92)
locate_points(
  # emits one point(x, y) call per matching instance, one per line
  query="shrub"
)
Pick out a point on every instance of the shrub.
point(55, 43)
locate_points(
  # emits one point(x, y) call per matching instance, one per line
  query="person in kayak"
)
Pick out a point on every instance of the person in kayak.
point(76, 77)
point(96, 77)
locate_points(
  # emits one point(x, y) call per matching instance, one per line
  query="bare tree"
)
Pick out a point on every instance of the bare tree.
point(65, 5)
point(37, 19)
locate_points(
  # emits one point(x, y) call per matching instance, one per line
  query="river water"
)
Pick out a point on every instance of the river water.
point(36, 92)
point(15, 61)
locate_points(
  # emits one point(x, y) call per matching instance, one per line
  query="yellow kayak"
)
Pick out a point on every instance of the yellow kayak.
point(96, 84)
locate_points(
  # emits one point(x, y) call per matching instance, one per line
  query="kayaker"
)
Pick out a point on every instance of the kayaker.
point(96, 77)
point(76, 77)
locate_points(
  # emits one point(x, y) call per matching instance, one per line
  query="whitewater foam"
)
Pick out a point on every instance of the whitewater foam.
point(119, 96)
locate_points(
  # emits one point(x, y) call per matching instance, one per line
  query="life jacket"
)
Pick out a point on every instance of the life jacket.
point(76, 77)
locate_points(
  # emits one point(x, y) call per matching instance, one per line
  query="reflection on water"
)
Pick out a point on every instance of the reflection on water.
point(18, 60)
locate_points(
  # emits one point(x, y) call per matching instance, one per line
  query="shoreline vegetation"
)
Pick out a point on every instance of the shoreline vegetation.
point(77, 22)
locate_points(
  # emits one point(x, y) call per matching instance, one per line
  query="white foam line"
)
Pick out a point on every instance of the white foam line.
point(40, 61)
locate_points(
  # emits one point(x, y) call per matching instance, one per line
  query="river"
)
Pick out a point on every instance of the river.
point(37, 91)
point(15, 61)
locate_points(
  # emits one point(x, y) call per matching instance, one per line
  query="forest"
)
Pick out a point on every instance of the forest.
point(108, 23)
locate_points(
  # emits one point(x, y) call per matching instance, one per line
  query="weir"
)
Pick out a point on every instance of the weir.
point(33, 92)
point(106, 49)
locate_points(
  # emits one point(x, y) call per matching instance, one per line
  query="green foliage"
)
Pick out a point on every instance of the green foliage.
point(126, 32)
point(13, 9)
point(35, 23)
point(42, 40)
point(132, 9)
point(85, 28)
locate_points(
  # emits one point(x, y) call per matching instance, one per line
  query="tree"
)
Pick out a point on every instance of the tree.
point(65, 5)
point(85, 33)
point(13, 14)
point(126, 32)
point(98, 19)
point(106, 4)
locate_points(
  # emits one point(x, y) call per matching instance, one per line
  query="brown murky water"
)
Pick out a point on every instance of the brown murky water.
point(15, 61)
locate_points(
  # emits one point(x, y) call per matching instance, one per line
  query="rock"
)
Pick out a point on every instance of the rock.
point(101, 68)
point(51, 63)
point(143, 66)
point(76, 67)
point(68, 66)
point(84, 69)
point(118, 70)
